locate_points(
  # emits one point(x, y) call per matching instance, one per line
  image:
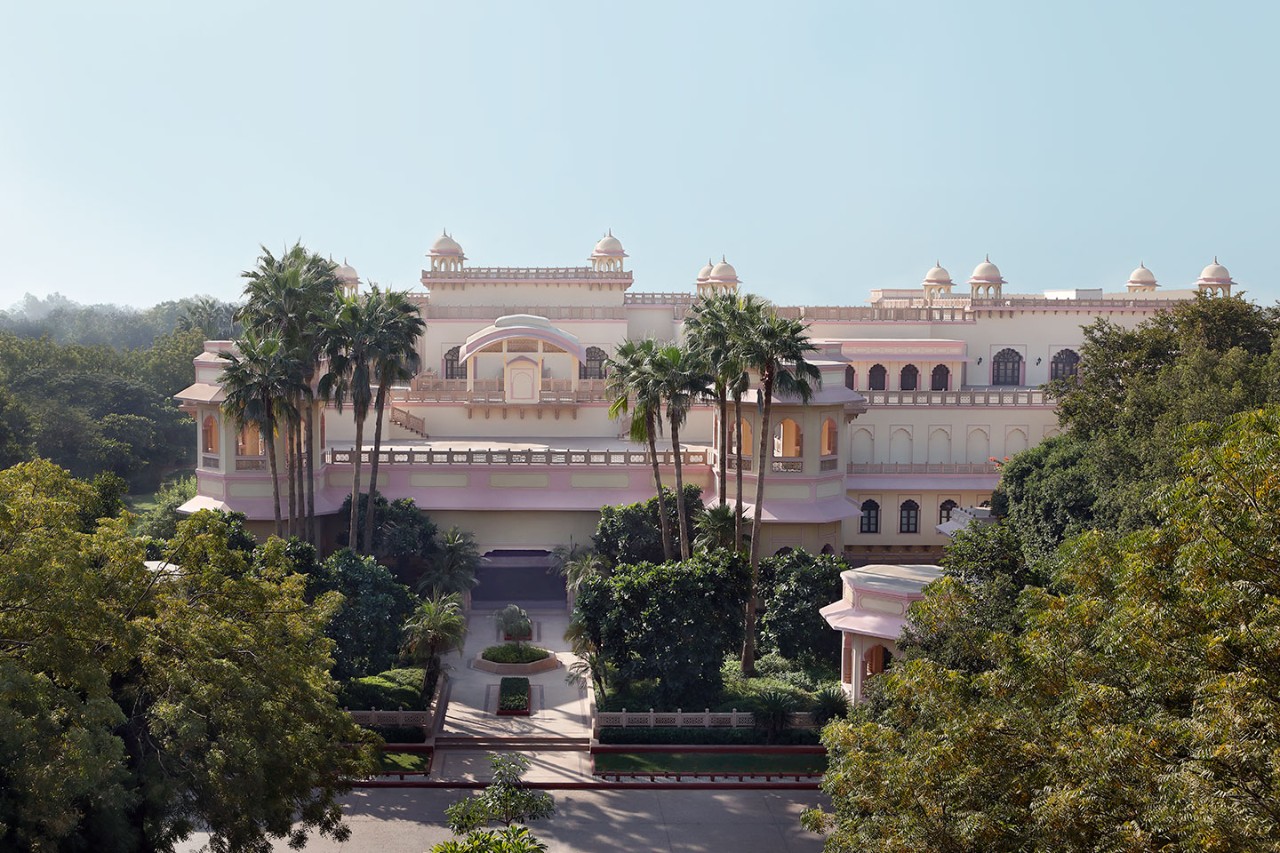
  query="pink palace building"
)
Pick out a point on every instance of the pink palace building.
point(506, 432)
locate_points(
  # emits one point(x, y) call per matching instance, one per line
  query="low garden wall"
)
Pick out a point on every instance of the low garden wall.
point(425, 720)
point(545, 665)
point(705, 719)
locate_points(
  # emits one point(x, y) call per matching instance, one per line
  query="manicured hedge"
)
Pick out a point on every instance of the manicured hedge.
point(513, 694)
point(401, 734)
point(513, 653)
point(699, 736)
point(393, 690)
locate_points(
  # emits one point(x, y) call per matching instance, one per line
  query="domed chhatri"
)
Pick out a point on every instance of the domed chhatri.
point(986, 281)
point(446, 253)
point(704, 273)
point(1142, 280)
point(723, 273)
point(608, 254)
point(345, 272)
point(939, 276)
point(1214, 279)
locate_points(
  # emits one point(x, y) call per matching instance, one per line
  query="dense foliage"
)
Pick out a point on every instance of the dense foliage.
point(796, 585)
point(138, 705)
point(95, 409)
point(514, 653)
point(513, 694)
point(1130, 705)
point(67, 322)
point(672, 623)
point(631, 533)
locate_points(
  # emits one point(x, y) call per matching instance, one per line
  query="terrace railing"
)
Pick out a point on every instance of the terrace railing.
point(511, 458)
point(705, 719)
point(923, 468)
point(970, 397)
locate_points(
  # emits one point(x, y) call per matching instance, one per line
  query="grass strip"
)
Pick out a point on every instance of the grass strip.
point(705, 762)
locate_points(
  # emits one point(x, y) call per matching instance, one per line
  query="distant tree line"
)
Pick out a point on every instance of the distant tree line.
point(119, 326)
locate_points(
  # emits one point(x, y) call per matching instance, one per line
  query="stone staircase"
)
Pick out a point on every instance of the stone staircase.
point(410, 422)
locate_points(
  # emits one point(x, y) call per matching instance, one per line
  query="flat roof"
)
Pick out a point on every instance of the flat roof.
point(898, 580)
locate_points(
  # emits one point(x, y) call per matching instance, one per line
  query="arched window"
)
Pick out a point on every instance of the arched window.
point(850, 378)
point(909, 379)
point(593, 367)
point(453, 370)
point(878, 377)
point(876, 660)
point(249, 442)
point(747, 446)
point(783, 551)
point(1006, 368)
point(1066, 362)
point(870, 521)
point(788, 441)
point(909, 517)
point(944, 511)
point(827, 549)
point(209, 434)
point(830, 435)
point(941, 380)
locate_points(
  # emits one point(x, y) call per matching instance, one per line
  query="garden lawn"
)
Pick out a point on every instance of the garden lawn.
point(707, 762)
point(397, 762)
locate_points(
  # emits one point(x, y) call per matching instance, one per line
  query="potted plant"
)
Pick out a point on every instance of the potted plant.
point(515, 624)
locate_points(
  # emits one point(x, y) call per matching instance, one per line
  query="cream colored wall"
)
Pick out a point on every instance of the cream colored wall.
point(651, 321)
point(946, 434)
point(891, 500)
point(532, 530)
point(451, 421)
point(527, 294)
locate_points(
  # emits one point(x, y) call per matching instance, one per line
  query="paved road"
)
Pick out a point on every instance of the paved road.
point(397, 820)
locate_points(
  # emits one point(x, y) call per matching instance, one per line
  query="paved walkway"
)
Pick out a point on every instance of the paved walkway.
point(554, 737)
point(412, 820)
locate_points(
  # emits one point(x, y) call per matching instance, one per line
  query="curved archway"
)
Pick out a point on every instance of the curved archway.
point(593, 366)
point(909, 378)
point(870, 520)
point(877, 378)
point(876, 660)
point(940, 380)
point(452, 369)
point(1065, 363)
point(783, 551)
point(945, 510)
point(209, 434)
point(1006, 367)
point(909, 517)
point(850, 378)
point(748, 447)
point(827, 549)
point(788, 440)
point(830, 437)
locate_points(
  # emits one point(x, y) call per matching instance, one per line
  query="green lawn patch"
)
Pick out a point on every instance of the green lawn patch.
point(393, 762)
point(393, 690)
point(707, 762)
point(514, 653)
point(513, 694)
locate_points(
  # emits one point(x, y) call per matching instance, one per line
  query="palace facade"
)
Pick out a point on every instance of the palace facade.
point(505, 432)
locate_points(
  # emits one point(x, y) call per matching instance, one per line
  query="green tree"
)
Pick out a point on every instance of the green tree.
point(717, 527)
point(681, 379)
point(454, 566)
point(775, 348)
point(365, 629)
point(161, 521)
point(699, 604)
point(506, 799)
point(632, 385)
point(394, 359)
point(257, 381)
point(801, 583)
point(437, 627)
point(630, 533)
point(708, 332)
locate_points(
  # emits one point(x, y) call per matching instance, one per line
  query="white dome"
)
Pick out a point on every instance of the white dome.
point(723, 272)
point(609, 247)
point(1142, 276)
point(346, 272)
point(1215, 273)
point(937, 275)
point(445, 245)
point(705, 272)
point(986, 273)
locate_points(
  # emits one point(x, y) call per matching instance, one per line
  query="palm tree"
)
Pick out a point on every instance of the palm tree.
point(395, 358)
point(454, 568)
point(256, 381)
point(741, 315)
point(351, 339)
point(775, 348)
point(437, 627)
point(293, 295)
point(717, 528)
point(681, 379)
point(709, 333)
point(630, 375)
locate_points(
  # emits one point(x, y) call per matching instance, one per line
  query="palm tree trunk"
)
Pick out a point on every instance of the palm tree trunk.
point(353, 526)
point(737, 452)
point(290, 468)
point(724, 446)
point(663, 524)
point(762, 463)
point(310, 453)
point(379, 404)
point(270, 424)
point(300, 527)
point(683, 521)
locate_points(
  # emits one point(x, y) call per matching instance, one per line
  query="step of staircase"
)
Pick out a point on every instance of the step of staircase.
point(513, 744)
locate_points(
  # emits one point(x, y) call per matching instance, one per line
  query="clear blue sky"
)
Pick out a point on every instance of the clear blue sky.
point(146, 149)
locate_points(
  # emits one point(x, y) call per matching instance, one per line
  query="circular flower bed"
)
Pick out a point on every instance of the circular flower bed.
point(515, 659)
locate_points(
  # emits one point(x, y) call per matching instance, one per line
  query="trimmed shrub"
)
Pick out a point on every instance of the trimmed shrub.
point(514, 653)
point(393, 690)
point(701, 736)
point(830, 703)
point(514, 622)
point(400, 734)
point(513, 694)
